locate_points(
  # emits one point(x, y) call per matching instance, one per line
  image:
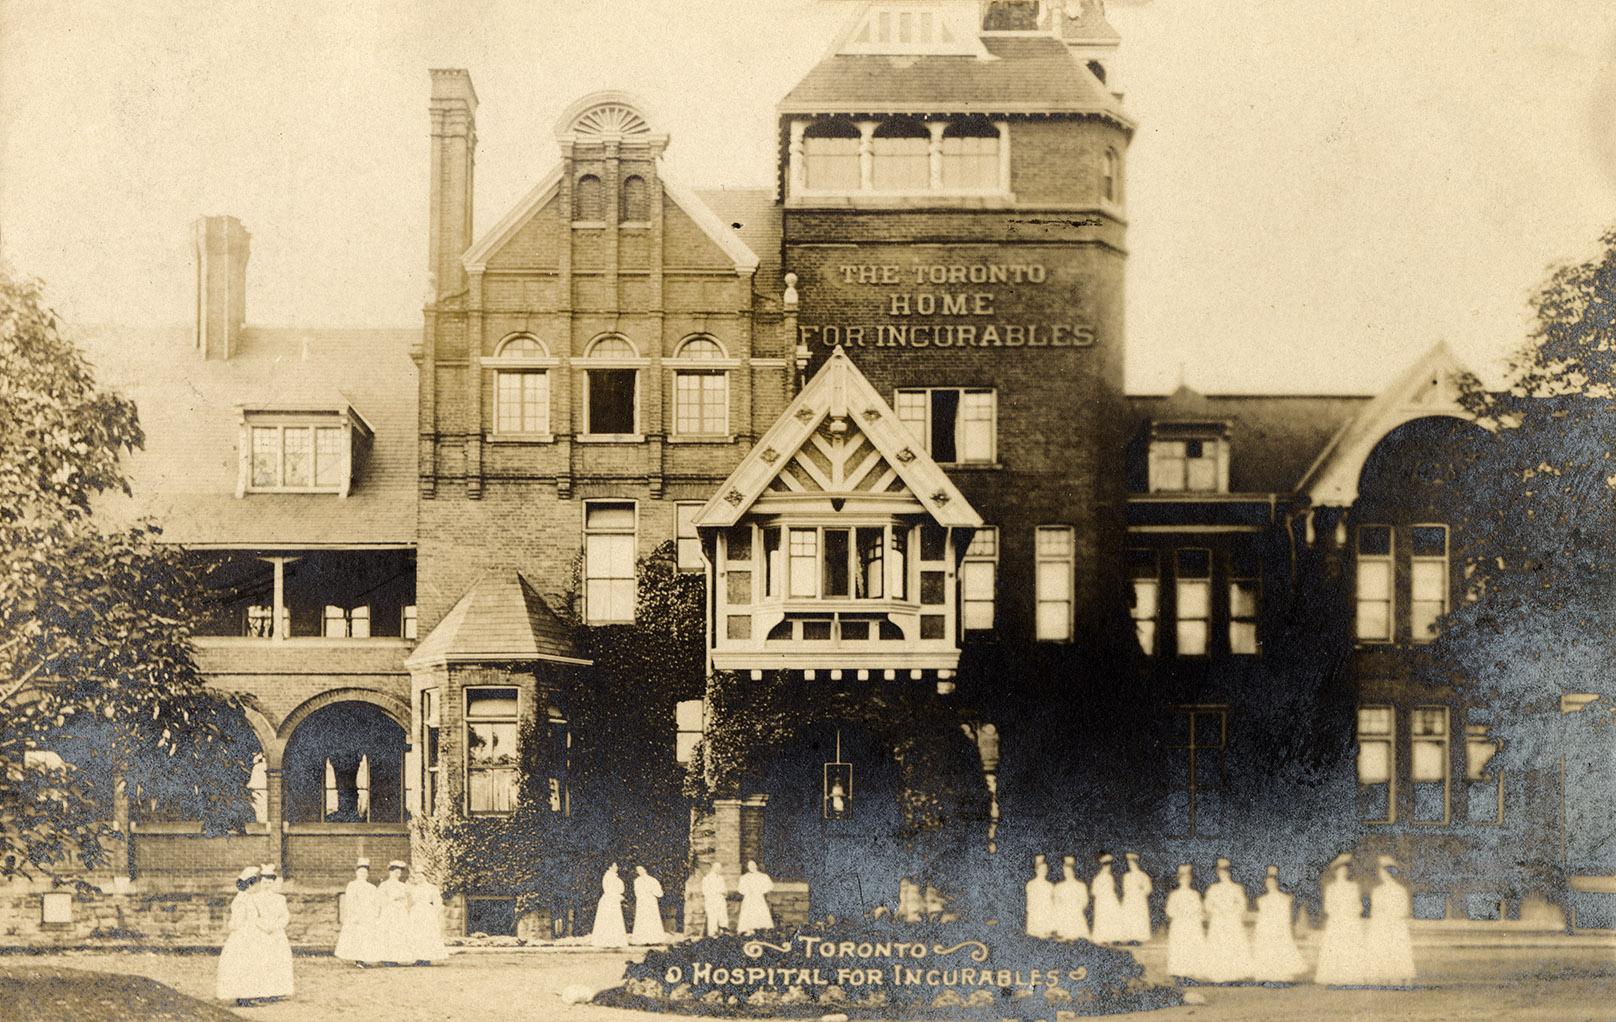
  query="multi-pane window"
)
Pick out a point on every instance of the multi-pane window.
point(1428, 579)
point(1056, 557)
point(1192, 592)
point(1195, 804)
point(804, 551)
point(347, 622)
point(933, 572)
point(688, 542)
point(297, 457)
point(609, 562)
point(1484, 782)
point(522, 401)
point(492, 768)
point(701, 404)
point(1428, 763)
point(869, 550)
point(955, 425)
point(978, 579)
point(970, 151)
point(1188, 463)
point(1245, 593)
point(900, 156)
point(431, 758)
point(1376, 763)
point(1144, 572)
point(1374, 599)
point(830, 151)
point(687, 714)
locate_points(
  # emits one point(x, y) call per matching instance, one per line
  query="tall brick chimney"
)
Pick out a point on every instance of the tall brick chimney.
point(454, 156)
point(222, 247)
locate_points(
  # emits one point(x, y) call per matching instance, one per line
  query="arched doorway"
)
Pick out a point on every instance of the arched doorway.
point(344, 763)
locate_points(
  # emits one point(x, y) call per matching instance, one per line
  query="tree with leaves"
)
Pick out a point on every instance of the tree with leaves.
point(98, 688)
point(1542, 624)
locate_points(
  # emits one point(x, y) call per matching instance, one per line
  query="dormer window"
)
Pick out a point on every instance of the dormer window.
point(300, 451)
point(1189, 458)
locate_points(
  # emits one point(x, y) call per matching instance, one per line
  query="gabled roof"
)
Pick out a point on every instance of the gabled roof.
point(191, 410)
point(1430, 387)
point(1032, 74)
point(476, 257)
point(501, 617)
point(837, 441)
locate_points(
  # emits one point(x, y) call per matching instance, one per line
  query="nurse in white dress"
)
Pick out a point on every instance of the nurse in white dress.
point(1040, 901)
point(393, 942)
point(1341, 949)
point(647, 910)
point(1186, 928)
point(426, 920)
point(275, 965)
point(754, 886)
point(1389, 949)
point(1136, 888)
point(240, 959)
point(1107, 909)
point(1228, 949)
point(609, 930)
point(358, 909)
point(1071, 903)
point(715, 901)
point(1275, 958)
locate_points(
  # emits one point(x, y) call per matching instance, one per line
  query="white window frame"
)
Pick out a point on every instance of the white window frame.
point(1386, 562)
point(800, 142)
point(1442, 744)
point(1048, 564)
point(633, 576)
point(255, 425)
point(699, 369)
point(1387, 739)
point(1426, 632)
point(593, 361)
point(687, 543)
point(1169, 462)
point(432, 768)
point(1184, 585)
point(338, 622)
point(466, 722)
point(921, 429)
point(981, 559)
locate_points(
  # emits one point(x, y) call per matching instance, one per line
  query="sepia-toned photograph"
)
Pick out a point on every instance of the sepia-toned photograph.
point(914, 510)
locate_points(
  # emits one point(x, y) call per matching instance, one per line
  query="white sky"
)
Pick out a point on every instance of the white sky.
point(1318, 190)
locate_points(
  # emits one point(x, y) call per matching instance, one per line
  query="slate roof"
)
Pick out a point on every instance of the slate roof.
point(501, 617)
point(1033, 74)
point(1273, 438)
point(185, 477)
point(759, 218)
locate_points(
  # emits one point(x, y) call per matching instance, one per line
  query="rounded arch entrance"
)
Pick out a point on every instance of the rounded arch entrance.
point(344, 762)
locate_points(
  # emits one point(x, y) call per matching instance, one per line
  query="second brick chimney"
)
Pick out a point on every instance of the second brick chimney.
point(454, 147)
point(222, 247)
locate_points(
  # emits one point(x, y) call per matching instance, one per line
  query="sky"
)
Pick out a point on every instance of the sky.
point(1317, 191)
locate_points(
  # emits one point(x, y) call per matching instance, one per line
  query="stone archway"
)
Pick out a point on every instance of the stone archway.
point(344, 763)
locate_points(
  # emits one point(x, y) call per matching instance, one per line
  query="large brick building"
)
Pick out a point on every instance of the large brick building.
point(879, 406)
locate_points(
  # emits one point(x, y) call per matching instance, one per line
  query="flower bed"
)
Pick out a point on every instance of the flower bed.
point(876, 970)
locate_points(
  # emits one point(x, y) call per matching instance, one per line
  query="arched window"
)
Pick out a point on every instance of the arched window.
point(634, 202)
point(588, 199)
point(700, 347)
point(1111, 177)
point(901, 156)
point(521, 346)
point(700, 397)
point(830, 152)
point(612, 346)
point(971, 155)
point(611, 403)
